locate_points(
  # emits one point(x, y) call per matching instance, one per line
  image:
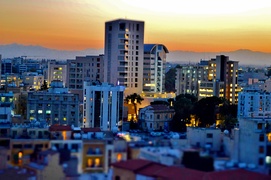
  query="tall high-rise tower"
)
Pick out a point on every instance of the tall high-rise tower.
point(124, 50)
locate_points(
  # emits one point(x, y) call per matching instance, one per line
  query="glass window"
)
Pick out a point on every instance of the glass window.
point(261, 137)
point(209, 135)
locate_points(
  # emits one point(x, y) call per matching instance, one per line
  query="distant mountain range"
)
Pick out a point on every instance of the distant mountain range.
point(245, 57)
point(39, 52)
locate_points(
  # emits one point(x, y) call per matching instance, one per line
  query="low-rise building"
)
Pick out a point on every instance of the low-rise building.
point(254, 134)
point(33, 80)
point(103, 105)
point(21, 149)
point(47, 165)
point(95, 156)
point(155, 117)
point(209, 138)
point(55, 106)
point(6, 107)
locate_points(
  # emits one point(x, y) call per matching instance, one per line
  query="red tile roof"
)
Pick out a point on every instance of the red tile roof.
point(159, 107)
point(236, 174)
point(177, 173)
point(132, 164)
point(150, 169)
point(159, 171)
point(56, 127)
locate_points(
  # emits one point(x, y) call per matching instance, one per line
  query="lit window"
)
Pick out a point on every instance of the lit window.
point(119, 157)
point(20, 155)
point(89, 162)
point(97, 162)
point(64, 118)
point(32, 111)
point(39, 111)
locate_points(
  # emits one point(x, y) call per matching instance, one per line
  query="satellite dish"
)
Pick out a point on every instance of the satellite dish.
point(226, 132)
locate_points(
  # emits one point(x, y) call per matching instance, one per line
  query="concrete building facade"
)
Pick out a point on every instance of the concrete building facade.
point(103, 105)
point(33, 80)
point(254, 115)
point(57, 71)
point(222, 79)
point(124, 50)
point(84, 68)
point(188, 78)
point(154, 68)
point(57, 106)
point(6, 107)
point(156, 117)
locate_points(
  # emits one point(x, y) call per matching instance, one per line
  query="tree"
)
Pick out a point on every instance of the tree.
point(134, 99)
point(44, 86)
point(184, 107)
point(206, 110)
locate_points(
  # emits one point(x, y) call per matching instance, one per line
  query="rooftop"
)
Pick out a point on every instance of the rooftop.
point(156, 170)
point(57, 127)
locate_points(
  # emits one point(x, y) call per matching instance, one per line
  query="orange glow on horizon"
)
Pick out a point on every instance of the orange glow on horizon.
point(195, 25)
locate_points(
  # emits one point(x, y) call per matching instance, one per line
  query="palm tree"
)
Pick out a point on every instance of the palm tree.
point(134, 99)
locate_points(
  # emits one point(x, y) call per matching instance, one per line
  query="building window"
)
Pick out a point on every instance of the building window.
point(150, 125)
point(97, 162)
point(89, 163)
point(260, 126)
point(261, 149)
point(261, 137)
point(261, 161)
point(158, 116)
point(122, 26)
point(209, 135)
point(119, 157)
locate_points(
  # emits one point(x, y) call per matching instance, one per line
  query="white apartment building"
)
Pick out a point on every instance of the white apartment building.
point(33, 80)
point(188, 78)
point(103, 105)
point(55, 106)
point(57, 71)
point(154, 68)
point(254, 115)
point(124, 50)
point(6, 107)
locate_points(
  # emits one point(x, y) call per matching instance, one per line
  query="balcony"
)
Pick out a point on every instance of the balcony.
point(94, 152)
point(95, 168)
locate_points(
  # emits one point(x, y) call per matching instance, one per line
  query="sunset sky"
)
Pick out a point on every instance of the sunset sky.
point(194, 25)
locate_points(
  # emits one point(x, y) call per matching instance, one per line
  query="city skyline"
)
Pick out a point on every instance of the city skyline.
point(200, 26)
